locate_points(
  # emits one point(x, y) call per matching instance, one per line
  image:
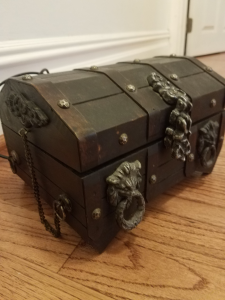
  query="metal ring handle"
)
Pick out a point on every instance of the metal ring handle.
point(136, 217)
point(122, 189)
point(59, 210)
point(206, 160)
point(61, 206)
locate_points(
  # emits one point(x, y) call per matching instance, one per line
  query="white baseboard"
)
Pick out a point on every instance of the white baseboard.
point(67, 53)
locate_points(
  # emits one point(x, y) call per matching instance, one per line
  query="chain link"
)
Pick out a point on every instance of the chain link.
point(54, 231)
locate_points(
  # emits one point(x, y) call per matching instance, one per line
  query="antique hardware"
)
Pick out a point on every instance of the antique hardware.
point(94, 68)
point(27, 77)
point(137, 60)
point(96, 214)
point(191, 157)
point(13, 159)
point(54, 231)
point(178, 132)
point(123, 139)
point(123, 187)
point(213, 103)
point(29, 114)
point(174, 76)
point(153, 179)
point(63, 103)
point(131, 88)
point(61, 206)
point(208, 69)
point(207, 143)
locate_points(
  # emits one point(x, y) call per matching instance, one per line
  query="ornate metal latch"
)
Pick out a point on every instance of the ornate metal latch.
point(177, 134)
point(29, 114)
point(123, 187)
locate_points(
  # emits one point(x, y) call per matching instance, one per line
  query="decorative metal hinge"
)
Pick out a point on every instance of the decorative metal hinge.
point(123, 187)
point(28, 112)
point(207, 143)
point(177, 134)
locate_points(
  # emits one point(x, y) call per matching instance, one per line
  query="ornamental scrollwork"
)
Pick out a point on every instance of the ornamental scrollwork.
point(122, 189)
point(177, 133)
point(207, 140)
point(29, 114)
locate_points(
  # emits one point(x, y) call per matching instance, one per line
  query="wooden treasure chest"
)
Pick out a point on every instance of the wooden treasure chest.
point(99, 143)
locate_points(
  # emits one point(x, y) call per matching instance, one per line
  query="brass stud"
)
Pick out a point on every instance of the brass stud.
point(27, 77)
point(174, 76)
point(131, 88)
point(123, 139)
point(94, 68)
point(153, 179)
point(137, 60)
point(208, 69)
point(173, 55)
point(191, 157)
point(15, 157)
point(63, 103)
point(213, 103)
point(96, 214)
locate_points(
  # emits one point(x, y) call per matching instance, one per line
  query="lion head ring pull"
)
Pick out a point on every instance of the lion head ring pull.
point(122, 190)
point(61, 206)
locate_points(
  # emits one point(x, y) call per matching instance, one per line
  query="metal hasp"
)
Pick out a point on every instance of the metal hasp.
point(122, 189)
point(177, 134)
point(28, 112)
point(207, 143)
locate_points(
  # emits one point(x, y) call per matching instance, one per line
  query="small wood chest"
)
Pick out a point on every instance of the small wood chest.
point(102, 142)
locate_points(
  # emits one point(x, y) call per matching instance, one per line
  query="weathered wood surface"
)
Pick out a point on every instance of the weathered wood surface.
point(176, 253)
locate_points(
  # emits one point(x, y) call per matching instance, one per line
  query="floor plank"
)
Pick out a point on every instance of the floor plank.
point(24, 280)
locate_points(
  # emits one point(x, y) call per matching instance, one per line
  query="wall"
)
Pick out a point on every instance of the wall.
point(66, 34)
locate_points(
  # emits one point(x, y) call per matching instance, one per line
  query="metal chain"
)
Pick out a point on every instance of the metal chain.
point(54, 231)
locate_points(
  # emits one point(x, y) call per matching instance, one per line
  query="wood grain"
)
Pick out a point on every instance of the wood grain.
point(176, 253)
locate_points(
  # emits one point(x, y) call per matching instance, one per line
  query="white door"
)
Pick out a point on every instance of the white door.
point(208, 27)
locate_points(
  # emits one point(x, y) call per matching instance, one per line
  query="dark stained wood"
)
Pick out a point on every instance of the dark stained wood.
point(174, 65)
point(61, 176)
point(70, 219)
point(79, 148)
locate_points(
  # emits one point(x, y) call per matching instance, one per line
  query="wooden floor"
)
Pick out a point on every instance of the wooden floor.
point(176, 253)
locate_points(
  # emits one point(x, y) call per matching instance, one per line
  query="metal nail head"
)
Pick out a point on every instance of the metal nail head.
point(174, 76)
point(63, 103)
point(213, 103)
point(153, 179)
point(123, 139)
point(27, 77)
point(96, 214)
point(208, 69)
point(94, 68)
point(131, 88)
point(191, 157)
point(137, 60)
